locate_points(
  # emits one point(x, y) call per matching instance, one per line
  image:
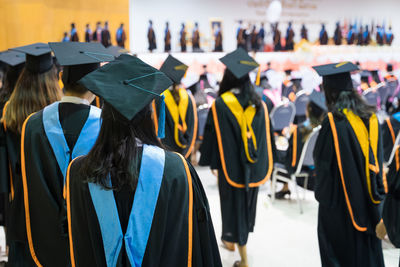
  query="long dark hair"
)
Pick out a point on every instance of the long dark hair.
point(9, 80)
point(229, 81)
point(115, 150)
point(339, 100)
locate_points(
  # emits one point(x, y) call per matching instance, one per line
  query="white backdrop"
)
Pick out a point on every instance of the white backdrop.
point(311, 12)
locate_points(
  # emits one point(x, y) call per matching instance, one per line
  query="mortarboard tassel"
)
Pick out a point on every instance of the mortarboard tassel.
point(161, 119)
point(258, 76)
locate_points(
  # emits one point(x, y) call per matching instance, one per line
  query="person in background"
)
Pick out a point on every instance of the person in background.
point(380, 35)
point(130, 202)
point(182, 37)
point(181, 121)
point(37, 87)
point(323, 36)
point(351, 35)
point(304, 32)
point(237, 142)
point(261, 37)
point(218, 38)
point(66, 37)
point(74, 33)
point(337, 37)
point(277, 38)
point(196, 38)
point(289, 38)
point(106, 36)
point(121, 36)
point(97, 33)
point(241, 36)
point(360, 36)
point(349, 174)
point(254, 39)
point(366, 36)
point(389, 36)
point(167, 38)
point(88, 33)
point(151, 37)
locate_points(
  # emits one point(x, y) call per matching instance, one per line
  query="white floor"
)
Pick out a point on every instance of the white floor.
point(282, 237)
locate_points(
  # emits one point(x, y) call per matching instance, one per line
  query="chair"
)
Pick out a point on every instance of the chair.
point(306, 159)
point(392, 154)
point(282, 115)
point(301, 103)
point(371, 98)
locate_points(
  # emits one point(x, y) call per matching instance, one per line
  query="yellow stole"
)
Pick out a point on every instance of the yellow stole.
point(177, 111)
point(366, 139)
point(244, 119)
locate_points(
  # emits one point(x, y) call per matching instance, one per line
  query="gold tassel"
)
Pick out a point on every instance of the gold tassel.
point(258, 76)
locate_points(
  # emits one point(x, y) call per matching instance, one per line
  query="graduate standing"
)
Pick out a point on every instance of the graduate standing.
point(323, 36)
point(167, 38)
point(237, 142)
point(121, 36)
point(348, 158)
point(180, 113)
point(105, 35)
point(36, 88)
point(88, 33)
point(217, 38)
point(182, 37)
point(151, 37)
point(50, 139)
point(156, 213)
point(74, 33)
point(196, 38)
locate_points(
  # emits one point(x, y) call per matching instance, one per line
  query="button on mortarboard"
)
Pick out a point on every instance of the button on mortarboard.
point(239, 62)
point(38, 57)
point(174, 69)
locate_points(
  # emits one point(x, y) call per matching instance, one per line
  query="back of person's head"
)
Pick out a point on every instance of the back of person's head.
point(315, 114)
point(33, 92)
point(115, 150)
point(229, 81)
point(72, 25)
point(9, 80)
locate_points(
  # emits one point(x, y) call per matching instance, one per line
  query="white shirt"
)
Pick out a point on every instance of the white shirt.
point(74, 100)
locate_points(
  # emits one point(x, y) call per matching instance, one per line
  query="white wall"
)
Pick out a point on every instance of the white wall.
point(311, 12)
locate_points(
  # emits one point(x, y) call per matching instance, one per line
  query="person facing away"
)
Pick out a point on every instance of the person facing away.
point(97, 33)
point(241, 36)
point(181, 121)
point(366, 36)
point(50, 139)
point(254, 39)
point(389, 36)
point(261, 37)
point(304, 32)
point(88, 33)
point(289, 38)
point(121, 36)
point(66, 37)
point(390, 130)
point(349, 186)
point(323, 36)
point(74, 33)
point(337, 37)
point(196, 38)
point(182, 37)
point(218, 39)
point(151, 37)
point(380, 35)
point(129, 201)
point(37, 87)
point(237, 142)
point(106, 36)
point(167, 38)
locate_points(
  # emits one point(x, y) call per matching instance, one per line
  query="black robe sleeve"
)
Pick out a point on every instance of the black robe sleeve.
point(209, 147)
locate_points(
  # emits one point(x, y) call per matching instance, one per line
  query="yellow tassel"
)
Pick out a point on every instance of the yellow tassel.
point(60, 82)
point(258, 76)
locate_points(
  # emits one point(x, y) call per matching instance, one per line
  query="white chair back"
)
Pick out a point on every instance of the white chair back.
point(301, 102)
point(306, 157)
point(395, 146)
point(282, 115)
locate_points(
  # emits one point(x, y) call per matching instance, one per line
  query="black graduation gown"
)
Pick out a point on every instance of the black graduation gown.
point(45, 184)
point(187, 138)
point(168, 239)
point(106, 37)
point(340, 243)
point(238, 207)
point(387, 137)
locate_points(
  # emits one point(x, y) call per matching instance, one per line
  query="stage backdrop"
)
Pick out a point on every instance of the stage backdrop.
point(229, 12)
point(27, 21)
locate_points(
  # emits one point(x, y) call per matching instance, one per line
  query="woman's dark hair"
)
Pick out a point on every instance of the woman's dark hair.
point(9, 80)
point(315, 114)
point(229, 81)
point(337, 100)
point(115, 150)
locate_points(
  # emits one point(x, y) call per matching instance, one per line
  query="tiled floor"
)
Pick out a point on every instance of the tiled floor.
point(282, 237)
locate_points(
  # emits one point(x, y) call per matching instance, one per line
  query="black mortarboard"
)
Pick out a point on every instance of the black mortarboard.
point(318, 99)
point(128, 84)
point(174, 69)
point(116, 51)
point(389, 67)
point(239, 62)
point(337, 76)
point(79, 59)
point(38, 57)
point(12, 58)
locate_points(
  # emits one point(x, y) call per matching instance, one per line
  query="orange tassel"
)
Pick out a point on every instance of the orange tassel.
point(258, 76)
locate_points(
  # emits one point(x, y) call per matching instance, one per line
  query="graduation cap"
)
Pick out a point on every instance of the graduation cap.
point(116, 51)
point(38, 57)
point(318, 99)
point(128, 84)
point(79, 59)
point(174, 69)
point(12, 58)
point(240, 63)
point(337, 76)
point(389, 67)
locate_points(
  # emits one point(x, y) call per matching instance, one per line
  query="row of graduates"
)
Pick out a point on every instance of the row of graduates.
point(85, 186)
point(101, 35)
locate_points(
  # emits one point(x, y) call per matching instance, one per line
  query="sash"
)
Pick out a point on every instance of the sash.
point(141, 217)
point(178, 112)
point(55, 135)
